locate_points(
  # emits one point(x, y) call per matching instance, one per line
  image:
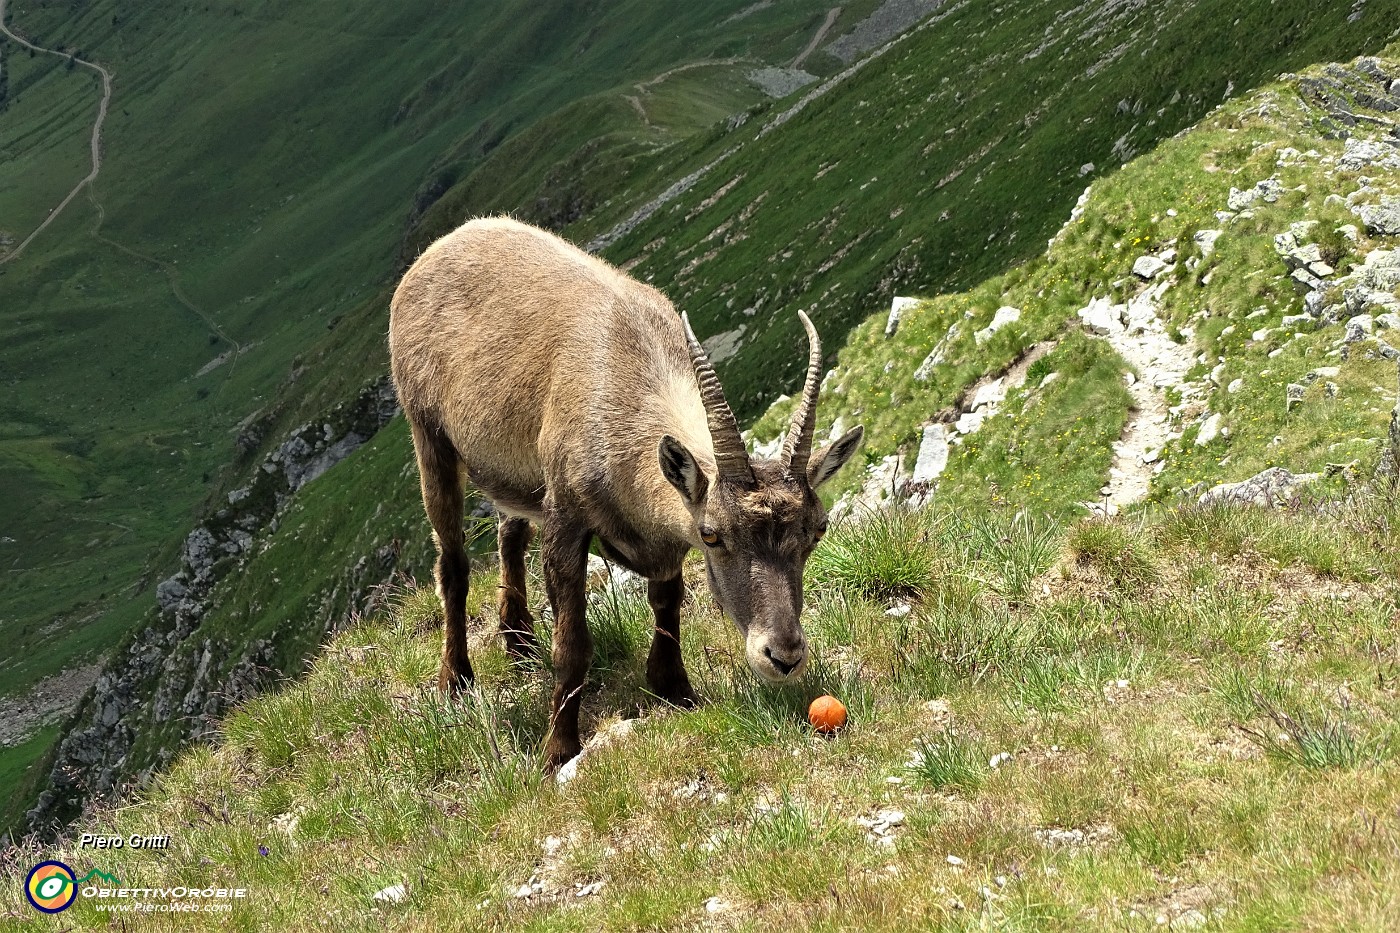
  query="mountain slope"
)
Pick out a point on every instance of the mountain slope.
point(851, 243)
point(262, 163)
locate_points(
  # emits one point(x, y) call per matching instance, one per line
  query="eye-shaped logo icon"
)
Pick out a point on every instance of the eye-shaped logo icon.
point(51, 887)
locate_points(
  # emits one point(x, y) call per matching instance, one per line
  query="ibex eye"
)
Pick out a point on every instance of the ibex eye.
point(709, 536)
point(821, 529)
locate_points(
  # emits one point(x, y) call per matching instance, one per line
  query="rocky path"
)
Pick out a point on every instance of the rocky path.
point(822, 30)
point(1138, 336)
point(96, 142)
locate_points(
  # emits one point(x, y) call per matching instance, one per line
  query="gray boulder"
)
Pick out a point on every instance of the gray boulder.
point(1148, 267)
point(1382, 219)
point(1274, 486)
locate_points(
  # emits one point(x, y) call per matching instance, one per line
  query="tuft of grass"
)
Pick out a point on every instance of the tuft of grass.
point(889, 554)
point(1316, 739)
point(949, 761)
point(1115, 550)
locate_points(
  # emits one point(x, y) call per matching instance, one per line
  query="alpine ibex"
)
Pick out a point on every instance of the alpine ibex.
point(574, 397)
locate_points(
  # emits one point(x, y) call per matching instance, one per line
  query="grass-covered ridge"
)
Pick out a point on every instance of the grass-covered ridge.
point(1190, 715)
point(1233, 310)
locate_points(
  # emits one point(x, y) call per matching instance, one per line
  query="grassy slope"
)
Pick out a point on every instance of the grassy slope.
point(1198, 705)
point(946, 160)
point(1050, 449)
point(1141, 675)
point(399, 510)
point(261, 165)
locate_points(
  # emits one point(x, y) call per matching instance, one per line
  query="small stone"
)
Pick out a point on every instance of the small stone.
point(393, 894)
point(1293, 395)
point(1234, 386)
point(715, 905)
point(1148, 267)
point(1004, 315)
point(897, 308)
point(1382, 219)
point(1359, 327)
point(1205, 239)
point(899, 611)
point(955, 861)
point(999, 759)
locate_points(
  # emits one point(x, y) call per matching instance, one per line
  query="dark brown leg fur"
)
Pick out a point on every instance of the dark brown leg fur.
point(517, 625)
point(564, 550)
point(439, 470)
point(665, 669)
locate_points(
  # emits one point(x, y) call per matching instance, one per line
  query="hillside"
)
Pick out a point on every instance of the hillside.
point(1182, 720)
point(1094, 684)
point(263, 164)
point(948, 138)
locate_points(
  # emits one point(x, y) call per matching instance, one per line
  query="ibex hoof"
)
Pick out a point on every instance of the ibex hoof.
point(558, 753)
point(453, 680)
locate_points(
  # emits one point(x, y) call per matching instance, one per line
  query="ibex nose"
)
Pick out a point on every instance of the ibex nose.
point(786, 662)
point(786, 659)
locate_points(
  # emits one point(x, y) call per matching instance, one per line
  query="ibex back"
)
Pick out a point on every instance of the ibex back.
point(575, 398)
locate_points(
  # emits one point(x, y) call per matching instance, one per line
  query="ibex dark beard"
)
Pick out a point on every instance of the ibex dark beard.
point(575, 398)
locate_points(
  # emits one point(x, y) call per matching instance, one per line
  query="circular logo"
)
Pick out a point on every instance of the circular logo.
point(51, 887)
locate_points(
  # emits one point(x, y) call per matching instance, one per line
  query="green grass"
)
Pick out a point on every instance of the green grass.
point(1144, 772)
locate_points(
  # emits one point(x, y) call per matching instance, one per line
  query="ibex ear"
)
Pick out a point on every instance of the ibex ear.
point(681, 470)
point(833, 456)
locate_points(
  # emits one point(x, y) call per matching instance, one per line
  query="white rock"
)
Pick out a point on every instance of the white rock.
point(899, 611)
point(999, 759)
point(1005, 315)
point(1210, 429)
point(933, 454)
point(393, 894)
point(1205, 239)
point(993, 393)
point(970, 422)
point(1149, 267)
point(715, 905)
point(955, 861)
point(1235, 386)
point(897, 308)
point(1103, 317)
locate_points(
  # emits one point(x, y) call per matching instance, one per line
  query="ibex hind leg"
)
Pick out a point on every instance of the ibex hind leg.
point(517, 624)
point(440, 472)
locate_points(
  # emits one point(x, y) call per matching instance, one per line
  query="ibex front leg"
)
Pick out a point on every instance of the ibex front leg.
point(665, 670)
point(564, 551)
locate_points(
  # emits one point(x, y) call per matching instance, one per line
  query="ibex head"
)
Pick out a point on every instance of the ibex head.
point(758, 520)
